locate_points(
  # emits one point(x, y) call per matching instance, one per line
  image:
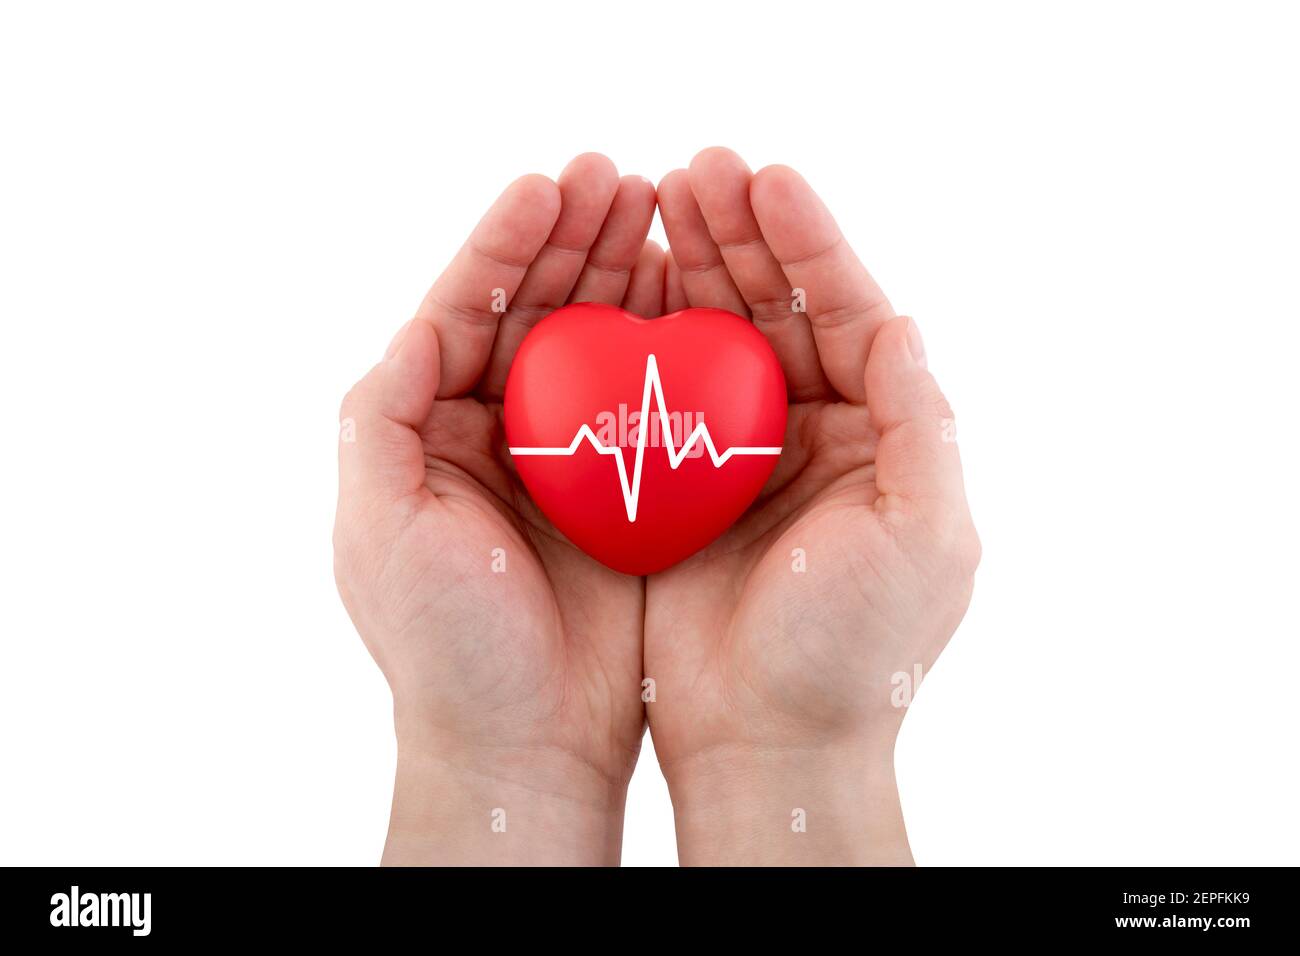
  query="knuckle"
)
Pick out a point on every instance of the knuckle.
point(953, 542)
point(939, 404)
point(348, 407)
point(357, 397)
point(942, 408)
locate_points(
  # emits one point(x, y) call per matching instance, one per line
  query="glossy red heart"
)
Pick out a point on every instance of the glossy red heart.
point(581, 379)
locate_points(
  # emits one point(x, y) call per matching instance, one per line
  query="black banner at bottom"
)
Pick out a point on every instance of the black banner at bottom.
point(657, 907)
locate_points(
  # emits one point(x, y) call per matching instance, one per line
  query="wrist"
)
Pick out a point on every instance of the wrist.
point(822, 806)
point(502, 806)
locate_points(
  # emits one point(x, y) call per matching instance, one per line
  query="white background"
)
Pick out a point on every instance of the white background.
point(213, 217)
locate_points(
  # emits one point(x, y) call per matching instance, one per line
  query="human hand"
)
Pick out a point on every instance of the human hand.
point(515, 661)
point(774, 650)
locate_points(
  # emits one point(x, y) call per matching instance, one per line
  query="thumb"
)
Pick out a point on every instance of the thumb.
point(917, 464)
point(380, 450)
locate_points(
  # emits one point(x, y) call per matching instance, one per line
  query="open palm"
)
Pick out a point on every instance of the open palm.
point(516, 661)
point(496, 634)
point(856, 562)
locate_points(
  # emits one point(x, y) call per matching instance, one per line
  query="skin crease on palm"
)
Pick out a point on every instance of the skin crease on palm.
point(518, 693)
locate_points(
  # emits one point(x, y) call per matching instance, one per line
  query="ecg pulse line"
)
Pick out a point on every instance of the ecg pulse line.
point(632, 489)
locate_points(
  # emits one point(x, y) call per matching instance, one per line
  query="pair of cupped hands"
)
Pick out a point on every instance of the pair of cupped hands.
point(773, 667)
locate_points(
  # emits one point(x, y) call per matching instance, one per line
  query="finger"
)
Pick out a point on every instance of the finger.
point(845, 306)
point(495, 257)
point(604, 277)
point(587, 188)
point(720, 181)
point(917, 464)
point(703, 272)
point(674, 294)
point(645, 288)
point(381, 455)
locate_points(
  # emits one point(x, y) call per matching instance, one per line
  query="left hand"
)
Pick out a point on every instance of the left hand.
point(514, 658)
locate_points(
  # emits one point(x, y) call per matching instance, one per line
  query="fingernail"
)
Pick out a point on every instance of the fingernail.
point(914, 343)
point(395, 346)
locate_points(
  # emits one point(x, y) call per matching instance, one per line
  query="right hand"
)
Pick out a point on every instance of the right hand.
point(775, 649)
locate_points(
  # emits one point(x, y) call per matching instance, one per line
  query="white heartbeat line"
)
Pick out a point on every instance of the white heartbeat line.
point(632, 489)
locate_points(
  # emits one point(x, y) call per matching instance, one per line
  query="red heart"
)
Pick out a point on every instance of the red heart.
point(581, 378)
